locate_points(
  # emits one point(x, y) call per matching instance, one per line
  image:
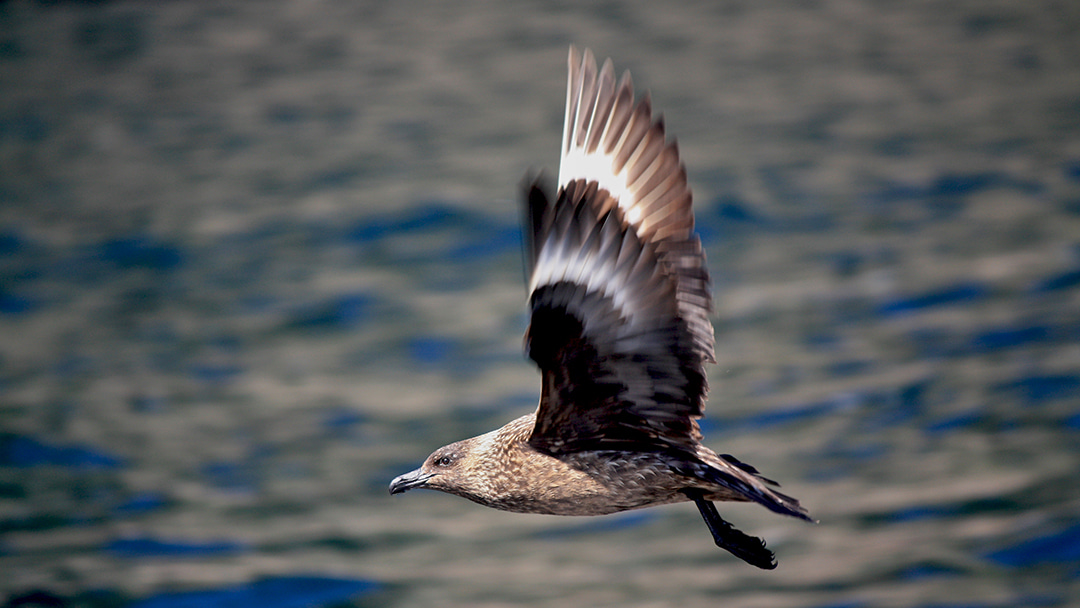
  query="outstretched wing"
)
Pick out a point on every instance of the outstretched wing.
point(619, 293)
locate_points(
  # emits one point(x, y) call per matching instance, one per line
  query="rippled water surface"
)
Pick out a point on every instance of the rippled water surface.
point(258, 258)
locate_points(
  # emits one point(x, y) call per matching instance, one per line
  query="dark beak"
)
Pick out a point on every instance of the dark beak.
point(410, 480)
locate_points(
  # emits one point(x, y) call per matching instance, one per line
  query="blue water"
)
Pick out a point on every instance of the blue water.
point(256, 260)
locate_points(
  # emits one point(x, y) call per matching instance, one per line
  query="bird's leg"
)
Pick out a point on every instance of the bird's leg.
point(748, 548)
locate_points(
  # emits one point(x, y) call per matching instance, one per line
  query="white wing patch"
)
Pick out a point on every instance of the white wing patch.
point(610, 140)
point(646, 257)
point(605, 264)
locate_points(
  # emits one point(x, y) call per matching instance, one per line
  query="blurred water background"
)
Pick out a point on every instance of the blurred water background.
point(257, 258)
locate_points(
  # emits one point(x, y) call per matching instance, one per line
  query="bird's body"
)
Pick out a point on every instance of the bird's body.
point(512, 475)
point(619, 298)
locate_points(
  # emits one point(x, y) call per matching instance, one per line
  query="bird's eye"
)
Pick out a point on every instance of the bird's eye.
point(445, 461)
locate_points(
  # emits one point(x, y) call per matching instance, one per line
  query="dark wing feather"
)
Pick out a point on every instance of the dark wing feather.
point(609, 140)
point(618, 363)
point(619, 293)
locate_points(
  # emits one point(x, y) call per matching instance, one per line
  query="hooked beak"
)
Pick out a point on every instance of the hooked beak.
point(410, 480)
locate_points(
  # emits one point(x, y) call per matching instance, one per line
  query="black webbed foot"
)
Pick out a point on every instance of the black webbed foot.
point(750, 549)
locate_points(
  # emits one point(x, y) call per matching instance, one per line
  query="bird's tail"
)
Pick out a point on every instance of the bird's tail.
point(747, 483)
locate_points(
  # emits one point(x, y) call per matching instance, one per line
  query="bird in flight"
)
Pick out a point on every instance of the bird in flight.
point(619, 300)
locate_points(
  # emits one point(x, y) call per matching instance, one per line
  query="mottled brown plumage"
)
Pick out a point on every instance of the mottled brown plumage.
point(619, 298)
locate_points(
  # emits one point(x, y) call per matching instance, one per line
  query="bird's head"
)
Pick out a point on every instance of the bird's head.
point(444, 470)
point(481, 469)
